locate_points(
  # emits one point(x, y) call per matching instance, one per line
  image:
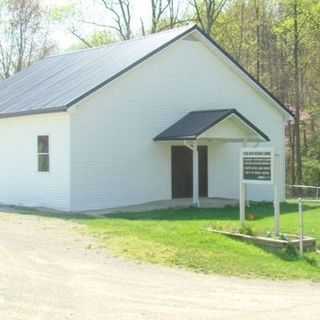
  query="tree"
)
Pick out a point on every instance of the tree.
point(70, 16)
point(121, 13)
point(167, 14)
point(297, 96)
point(296, 28)
point(279, 43)
point(207, 12)
point(23, 35)
point(258, 43)
point(158, 8)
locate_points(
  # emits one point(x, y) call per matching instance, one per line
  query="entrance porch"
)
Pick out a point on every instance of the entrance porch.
point(190, 138)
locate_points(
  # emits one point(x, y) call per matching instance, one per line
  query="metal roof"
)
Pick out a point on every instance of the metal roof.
point(197, 122)
point(57, 82)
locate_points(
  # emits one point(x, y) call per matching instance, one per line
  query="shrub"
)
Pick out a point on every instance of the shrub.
point(283, 237)
point(251, 216)
point(246, 229)
point(269, 234)
point(291, 250)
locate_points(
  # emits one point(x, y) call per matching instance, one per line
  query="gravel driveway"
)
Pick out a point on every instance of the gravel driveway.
point(49, 271)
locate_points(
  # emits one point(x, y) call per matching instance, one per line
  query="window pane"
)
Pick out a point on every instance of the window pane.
point(43, 144)
point(43, 162)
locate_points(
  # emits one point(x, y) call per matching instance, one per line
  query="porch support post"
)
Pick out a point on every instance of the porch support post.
point(242, 202)
point(195, 162)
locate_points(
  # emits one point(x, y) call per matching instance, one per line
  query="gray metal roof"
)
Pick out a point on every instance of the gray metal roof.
point(195, 123)
point(56, 82)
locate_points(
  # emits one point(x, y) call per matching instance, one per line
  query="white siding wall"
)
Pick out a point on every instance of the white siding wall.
point(114, 160)
point(21, 183)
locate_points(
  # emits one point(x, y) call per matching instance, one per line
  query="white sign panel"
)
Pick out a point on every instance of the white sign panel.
point(257, 165)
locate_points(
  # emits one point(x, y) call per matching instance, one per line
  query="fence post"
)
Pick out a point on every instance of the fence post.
point(276, 202)
point(301, 228)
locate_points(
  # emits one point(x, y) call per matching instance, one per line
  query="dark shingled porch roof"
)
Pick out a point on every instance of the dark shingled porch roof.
point(197, 122)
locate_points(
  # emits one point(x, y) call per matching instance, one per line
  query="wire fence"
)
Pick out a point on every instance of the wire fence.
point(303, 195)
point(302, 191)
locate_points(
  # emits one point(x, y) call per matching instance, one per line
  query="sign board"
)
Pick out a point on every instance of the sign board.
point(257, 165)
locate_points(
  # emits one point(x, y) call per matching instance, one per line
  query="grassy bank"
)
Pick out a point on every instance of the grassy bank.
point(180, 238)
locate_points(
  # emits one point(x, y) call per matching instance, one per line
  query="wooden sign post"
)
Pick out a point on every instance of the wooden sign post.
point(257, 167)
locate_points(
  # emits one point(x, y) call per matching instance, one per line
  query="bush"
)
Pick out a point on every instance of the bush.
point(246, 229)
point(251, 216)
point(283, 237)
point(291, 250)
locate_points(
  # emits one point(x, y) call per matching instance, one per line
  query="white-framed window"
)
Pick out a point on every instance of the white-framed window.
point(43, 154)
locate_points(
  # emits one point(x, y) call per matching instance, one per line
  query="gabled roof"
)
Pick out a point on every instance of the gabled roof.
point(195, 123)
point(58, 82)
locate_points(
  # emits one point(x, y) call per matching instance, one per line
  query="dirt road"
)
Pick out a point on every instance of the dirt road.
point(48, 270)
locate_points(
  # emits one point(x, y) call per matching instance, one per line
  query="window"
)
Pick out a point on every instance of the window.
point(43, 153)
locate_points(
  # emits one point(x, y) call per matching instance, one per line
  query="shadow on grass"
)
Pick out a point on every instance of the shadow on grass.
point(261, 210)
point(289, 254)
point(46, 213)
point(292, 255)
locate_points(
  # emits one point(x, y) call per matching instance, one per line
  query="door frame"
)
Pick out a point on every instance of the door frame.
point(203, 184)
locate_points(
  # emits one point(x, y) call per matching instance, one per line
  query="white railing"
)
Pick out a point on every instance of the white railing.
point(304, 194)
point(303, 191)
point(301, 221)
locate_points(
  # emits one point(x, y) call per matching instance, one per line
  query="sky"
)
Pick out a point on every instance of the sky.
point(90, 9)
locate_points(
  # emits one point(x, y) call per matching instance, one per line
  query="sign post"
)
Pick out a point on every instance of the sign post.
point(257, 166)
point(242, 197)
point(276, 201)
point(301, 228)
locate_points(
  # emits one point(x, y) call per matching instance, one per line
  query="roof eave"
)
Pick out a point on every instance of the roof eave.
point(32, 112)
point(163, 139)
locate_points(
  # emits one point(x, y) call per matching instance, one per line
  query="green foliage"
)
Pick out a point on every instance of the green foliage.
point(100, 38)
point(283, 236)
point(278, 42)
point(311, 169)
point(291, 251)
point(96, 39)
point(311, 161)
point(246, 229)
point(61, 13)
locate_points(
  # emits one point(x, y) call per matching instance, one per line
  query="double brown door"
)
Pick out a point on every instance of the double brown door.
point(182, 176)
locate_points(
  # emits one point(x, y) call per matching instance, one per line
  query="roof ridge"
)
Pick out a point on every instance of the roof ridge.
point(120, 42)
point(213, 110)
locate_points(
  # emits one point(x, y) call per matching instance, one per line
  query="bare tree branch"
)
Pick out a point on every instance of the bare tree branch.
point(121, 12)
point(79, 37)
point(207, 12)
point(23, 35)
point(158, 8)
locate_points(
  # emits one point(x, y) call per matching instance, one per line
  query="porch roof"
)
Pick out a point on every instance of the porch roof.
point(209, 124)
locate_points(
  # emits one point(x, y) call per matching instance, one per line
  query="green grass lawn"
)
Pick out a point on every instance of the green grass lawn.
point(180, 238)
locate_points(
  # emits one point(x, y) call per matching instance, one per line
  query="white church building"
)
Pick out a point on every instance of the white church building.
point(155, 118)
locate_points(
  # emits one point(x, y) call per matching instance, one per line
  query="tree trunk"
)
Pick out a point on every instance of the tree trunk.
point(291, 132)
point(297, 93)
point(256, 4)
